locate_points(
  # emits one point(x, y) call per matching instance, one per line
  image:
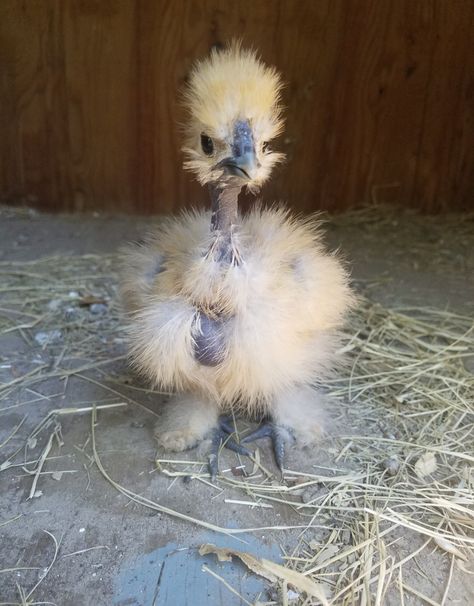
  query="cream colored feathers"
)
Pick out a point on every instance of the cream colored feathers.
point(277, 305)
point(230, 85)
point(286, 301)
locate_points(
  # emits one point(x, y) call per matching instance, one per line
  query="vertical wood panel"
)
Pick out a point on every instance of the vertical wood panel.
point(373, 122)
point(163, 64)
point(445, 169)
point(379, 99)
point(101, 82)
point(32, 103)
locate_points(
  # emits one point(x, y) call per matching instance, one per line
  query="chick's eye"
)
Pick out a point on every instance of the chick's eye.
point(207, 145)
point(265, 146)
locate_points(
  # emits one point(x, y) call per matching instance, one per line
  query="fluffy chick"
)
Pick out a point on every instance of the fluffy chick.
point(235, 312)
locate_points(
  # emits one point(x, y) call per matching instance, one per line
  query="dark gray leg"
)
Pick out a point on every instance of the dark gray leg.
point(221, 436)
point(279, 436)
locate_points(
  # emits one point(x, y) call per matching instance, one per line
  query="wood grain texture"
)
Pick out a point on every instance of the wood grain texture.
point(379, 100)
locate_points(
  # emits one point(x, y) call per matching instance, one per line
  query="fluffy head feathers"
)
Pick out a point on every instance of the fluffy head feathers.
point(229, 86)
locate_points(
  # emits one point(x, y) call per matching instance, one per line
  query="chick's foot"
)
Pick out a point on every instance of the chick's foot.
point(222, 436)
point(279, 435)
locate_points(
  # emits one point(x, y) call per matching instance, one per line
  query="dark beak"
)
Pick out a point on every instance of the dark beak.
point(243, 161)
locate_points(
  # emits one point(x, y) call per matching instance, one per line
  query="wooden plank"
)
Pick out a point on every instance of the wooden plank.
point(101, 82)
point(163, 63)
point(445, 169)
point(33, 106)
point(369, 135)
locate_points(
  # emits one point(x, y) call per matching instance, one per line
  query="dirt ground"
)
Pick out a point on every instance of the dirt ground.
point(114, 551)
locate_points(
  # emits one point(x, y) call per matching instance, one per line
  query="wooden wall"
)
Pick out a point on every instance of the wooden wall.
point(379, 99)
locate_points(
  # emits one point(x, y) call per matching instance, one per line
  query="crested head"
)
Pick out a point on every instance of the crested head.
point(233, 102)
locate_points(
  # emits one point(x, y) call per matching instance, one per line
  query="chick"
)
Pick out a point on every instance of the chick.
point(235, 313)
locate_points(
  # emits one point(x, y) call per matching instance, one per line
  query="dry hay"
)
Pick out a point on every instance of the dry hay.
point(407, 466)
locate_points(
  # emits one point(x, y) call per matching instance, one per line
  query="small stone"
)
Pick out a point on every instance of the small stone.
point(48, 337)
point(314, 492)
point(54, 304)
point(71, 313)
point(346, 537)
point(392, 465)
point(238, 471)
point(98, 308)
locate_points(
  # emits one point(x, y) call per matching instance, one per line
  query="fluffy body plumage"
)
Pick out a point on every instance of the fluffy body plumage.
point(280, 308)
point(261, 285)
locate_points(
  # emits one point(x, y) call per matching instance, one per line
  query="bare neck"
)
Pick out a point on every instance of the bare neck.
point(224, 205)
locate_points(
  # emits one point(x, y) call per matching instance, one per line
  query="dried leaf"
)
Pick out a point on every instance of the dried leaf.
point(223, 554)
point(269, 570)
point(449, 547)
point(426, 465)
point(57, 475)
point(327, 553)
